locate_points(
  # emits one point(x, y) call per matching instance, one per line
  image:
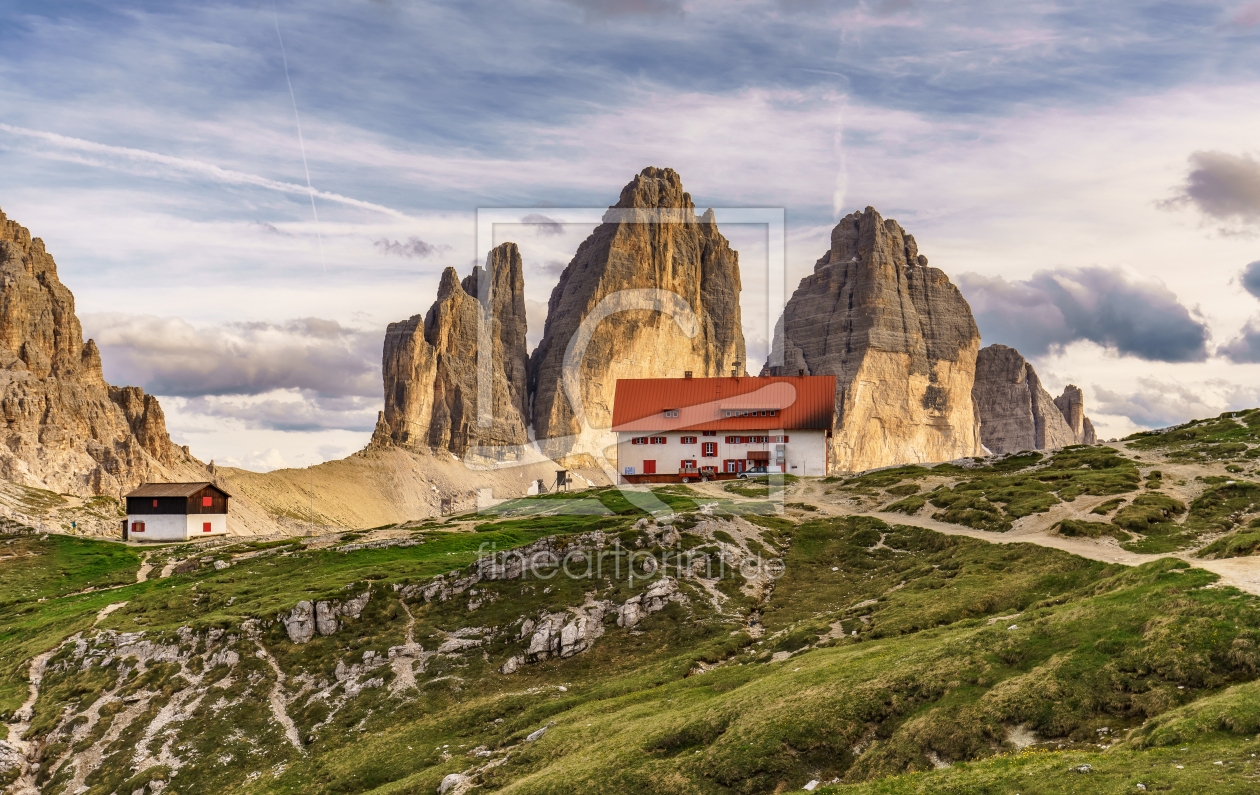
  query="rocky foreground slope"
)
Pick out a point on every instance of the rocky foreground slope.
point(719, 649)
point(899, 338)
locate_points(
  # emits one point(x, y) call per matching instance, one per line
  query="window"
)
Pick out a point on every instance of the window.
point(688, 463)
point(206, 502)
point(773, 413)
point(709, 450)
point(708, 433)
point(137, 527)
point(708, 470)
point(649, 467)
point(688, 440)
point(205, 526)
point(639, 440)
point(658, 440)
point(731, 465)
point(671, 412)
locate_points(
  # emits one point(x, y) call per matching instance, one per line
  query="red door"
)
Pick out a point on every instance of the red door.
point(649, 467)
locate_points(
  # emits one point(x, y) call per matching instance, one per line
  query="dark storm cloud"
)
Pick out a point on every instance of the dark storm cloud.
point(1223, 186)
point(1251, 278)
point(1055, 308)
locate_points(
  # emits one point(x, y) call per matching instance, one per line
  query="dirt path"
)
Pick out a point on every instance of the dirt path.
point(1241, 573)
point(145, 567)
point(279, 709)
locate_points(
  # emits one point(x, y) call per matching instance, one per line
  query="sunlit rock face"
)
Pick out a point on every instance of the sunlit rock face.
point(901, 341)
point(657, 288)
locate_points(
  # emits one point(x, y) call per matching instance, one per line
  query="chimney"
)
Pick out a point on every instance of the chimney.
point(686, 374)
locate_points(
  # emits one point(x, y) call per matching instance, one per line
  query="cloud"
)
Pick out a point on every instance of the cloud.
point(1157, 405)
point(1104, 306)
point(1222, 186)
point(169, 356)
point(413, 248)
point(289, 410)
point(1251, 278)
point(546, 226)
point(1245, 348)
point(270, 229)
point(129, 159)
point(595, 10)
point(1248, 15)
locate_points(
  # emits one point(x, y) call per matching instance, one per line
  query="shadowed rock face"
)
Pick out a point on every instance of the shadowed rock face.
point(429, 365)
point(1072, 404)
point(899, 338)
point(66, 429)
point(1016, 413)
point(650, 240)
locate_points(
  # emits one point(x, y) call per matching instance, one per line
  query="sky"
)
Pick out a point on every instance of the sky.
point(243, 195)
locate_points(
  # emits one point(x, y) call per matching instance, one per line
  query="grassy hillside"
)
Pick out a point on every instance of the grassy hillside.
point(776, 652)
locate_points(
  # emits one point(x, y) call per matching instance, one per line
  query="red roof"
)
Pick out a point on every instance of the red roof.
point(800, 403)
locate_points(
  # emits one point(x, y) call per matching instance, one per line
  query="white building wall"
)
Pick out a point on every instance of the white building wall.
point(805, 452)
point(176, 526)
point(217, 521)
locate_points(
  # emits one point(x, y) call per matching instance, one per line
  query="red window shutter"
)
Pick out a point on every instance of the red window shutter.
point(206, 502)
point(785, 439)
point(155, 503)
point(205, 527)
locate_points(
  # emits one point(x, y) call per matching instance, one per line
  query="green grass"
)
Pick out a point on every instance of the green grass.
point(993, 497)
point(955, 640)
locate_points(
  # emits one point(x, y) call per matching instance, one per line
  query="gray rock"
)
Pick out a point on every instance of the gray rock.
point(300, 623)
point(1072, 404)
point(900, 340)
point(1016, 413)
point(651, 239)
point(429, 365)
point(451, 782)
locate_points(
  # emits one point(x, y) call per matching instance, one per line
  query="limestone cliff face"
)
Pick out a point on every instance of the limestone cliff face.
point(1072, 404)
point(901, 341)
point(430, 364)
point(616, 312)
point(65, 428)
point(1016, 413)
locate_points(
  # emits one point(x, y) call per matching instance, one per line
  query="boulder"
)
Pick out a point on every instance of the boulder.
point(900, 340)
point(300, 623)
point(429, 365)
point(652, 253)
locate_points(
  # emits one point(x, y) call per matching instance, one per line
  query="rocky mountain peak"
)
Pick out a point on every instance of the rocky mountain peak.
point(429, 364)
point(866, 237)
point(655, 189)
point(900, 339)
point(660, 249)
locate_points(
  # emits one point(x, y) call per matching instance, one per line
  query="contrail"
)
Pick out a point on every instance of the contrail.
point(204, 169)
point(301, 143)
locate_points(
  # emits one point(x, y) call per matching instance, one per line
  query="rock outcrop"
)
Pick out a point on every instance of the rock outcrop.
point(1072, 404)
point(901, 341)
point(653, 292)
point(1016, 413)
point(66, 429)
point(430, 362)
